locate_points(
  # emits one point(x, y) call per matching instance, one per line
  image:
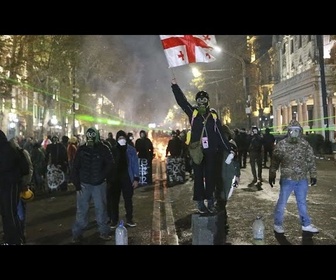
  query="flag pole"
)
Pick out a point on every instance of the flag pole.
point(173, 74)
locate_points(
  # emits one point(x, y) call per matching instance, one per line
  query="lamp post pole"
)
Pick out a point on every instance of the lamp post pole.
point(74, 95)
point(319, 41)
point(245, 86)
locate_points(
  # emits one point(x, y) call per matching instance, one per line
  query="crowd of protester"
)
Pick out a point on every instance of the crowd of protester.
point(102, 170)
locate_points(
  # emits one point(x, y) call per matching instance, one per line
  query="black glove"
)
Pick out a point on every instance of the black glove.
point(313, 181)
point(271, 180)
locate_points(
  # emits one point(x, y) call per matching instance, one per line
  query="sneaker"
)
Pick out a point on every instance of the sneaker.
point(279, 229)
point(131, 223)
point(201, 208)
point(105, 237)
point(212, 210)
point(310, 228)
point(77, 240)
point(253, 182)
point(211, 206)
point(113, 225)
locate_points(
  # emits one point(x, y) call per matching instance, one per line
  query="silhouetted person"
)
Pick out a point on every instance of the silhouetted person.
point(269, 141)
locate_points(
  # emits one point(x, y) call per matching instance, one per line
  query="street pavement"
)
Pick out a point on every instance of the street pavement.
point(163, 214)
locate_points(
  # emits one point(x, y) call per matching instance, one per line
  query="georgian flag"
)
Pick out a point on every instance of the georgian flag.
point(185, 49)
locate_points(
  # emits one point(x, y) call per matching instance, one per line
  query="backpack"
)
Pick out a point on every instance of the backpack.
point(195, 112)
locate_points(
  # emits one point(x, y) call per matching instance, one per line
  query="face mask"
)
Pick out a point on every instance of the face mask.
point(294, 133)
point(131, 138)
point(122, 142)
point(91, 137)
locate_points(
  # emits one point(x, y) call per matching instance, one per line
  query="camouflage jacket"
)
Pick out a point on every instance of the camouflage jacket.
point(295, 160)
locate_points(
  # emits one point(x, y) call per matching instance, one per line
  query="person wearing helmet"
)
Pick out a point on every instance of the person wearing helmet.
point(295, 159)
point(207, 129)
point(92, 165)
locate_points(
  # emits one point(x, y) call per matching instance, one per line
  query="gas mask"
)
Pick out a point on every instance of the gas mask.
point(202, 104)
point(294, 133)
point(91, 136)
point(202, 99)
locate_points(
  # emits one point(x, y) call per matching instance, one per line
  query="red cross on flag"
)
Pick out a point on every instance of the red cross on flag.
point(184, 49)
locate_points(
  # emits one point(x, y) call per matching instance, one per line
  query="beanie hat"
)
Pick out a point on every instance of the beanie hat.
point(121, 133)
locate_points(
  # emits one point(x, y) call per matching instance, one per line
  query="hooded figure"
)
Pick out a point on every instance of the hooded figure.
point(294, 131)
point(295, 159)
point(92, 136)
point(145, 151)
point(92, 165)
point(10, 176)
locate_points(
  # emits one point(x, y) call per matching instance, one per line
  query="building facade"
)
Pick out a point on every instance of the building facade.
point(298, 92)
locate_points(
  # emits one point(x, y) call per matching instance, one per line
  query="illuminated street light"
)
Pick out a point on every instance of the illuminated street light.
point(247, 96)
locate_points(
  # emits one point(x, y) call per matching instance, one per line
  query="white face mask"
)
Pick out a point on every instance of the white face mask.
point(122, 142)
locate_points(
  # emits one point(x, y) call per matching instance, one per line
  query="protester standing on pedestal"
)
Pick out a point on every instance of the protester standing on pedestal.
point(206, 128)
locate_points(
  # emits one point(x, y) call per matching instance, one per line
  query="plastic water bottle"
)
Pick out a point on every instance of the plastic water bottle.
point(121, 235)
point(258, 231)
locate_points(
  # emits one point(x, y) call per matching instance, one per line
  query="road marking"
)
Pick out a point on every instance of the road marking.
point(156, 221)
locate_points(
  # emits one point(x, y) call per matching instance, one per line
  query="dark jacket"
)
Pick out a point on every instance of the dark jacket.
point(9, 162)
point(256, 144)
point(214, 128)
point(175, 147)
point(56, 154)
point(132, 162)
point(92, 164)
point(144, 147)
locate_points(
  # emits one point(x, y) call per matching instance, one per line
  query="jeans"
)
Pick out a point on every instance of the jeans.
point(98, 194)
point(300, 189)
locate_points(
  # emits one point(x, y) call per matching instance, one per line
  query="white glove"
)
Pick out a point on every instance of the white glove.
point(229, 158)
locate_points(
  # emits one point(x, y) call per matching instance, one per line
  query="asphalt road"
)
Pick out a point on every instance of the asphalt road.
point(163, 214)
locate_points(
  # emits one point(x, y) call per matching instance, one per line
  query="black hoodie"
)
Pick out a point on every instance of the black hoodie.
point(9, 162)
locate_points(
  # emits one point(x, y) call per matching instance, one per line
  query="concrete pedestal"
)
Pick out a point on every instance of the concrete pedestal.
point(208, 229)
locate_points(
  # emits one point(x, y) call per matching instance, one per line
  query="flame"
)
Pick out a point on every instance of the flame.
point(160, 146)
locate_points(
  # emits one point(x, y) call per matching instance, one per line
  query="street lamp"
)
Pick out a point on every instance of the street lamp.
point(74, 107)
point(247, 96)
point(198, 73)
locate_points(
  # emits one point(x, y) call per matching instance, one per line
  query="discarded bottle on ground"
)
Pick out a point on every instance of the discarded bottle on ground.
point(121, 235)
point(258, 231)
